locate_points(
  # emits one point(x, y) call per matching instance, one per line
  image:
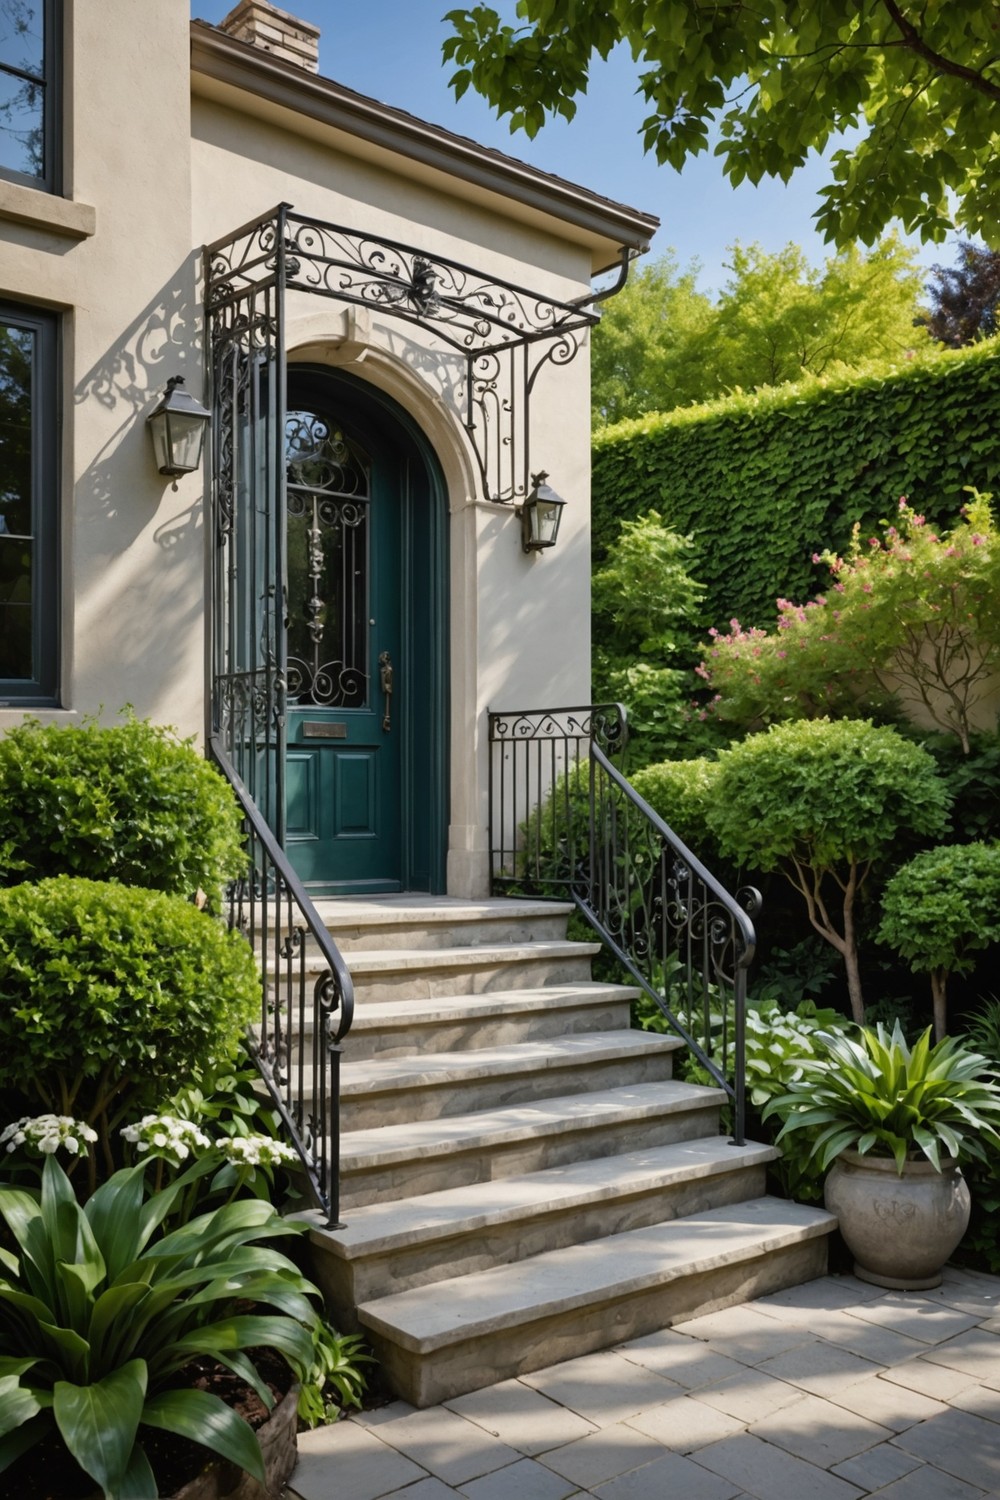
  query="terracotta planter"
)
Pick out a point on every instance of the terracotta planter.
point(900, 1229)
point(278, 1444)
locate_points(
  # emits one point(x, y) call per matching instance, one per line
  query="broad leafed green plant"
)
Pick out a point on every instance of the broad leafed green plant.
point(876, 1094)
point(100, 1313)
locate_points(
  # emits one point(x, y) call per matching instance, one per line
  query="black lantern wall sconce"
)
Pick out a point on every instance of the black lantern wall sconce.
point(540, 515)
point(177, 425)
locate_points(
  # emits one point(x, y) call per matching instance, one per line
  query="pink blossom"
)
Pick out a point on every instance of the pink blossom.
point(816, 557)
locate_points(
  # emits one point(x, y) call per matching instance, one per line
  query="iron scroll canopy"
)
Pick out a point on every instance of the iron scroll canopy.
point(505, 334)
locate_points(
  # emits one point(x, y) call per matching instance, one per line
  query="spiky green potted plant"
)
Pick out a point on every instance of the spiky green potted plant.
point(102, 1314)
point(896, 1122)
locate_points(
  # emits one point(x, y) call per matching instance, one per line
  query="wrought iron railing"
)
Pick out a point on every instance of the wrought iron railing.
point(564, 820)
point(537, 796)
point(307, 1001)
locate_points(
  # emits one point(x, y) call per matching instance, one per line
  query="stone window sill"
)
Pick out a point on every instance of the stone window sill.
point(24, 205)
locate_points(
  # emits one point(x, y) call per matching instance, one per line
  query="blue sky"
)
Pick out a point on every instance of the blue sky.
point(391, 50)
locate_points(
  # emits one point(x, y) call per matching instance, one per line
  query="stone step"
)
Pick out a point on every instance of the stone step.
point(440, 1341)
point(398, 1028)
point(394, 1091)
point(400, 1161)
point(424, 973)
point(390, 1247)
point(413, 921)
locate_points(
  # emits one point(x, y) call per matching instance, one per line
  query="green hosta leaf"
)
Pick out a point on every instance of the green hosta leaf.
point(18, 1404)
point(929, 1145)
point(98, 1423)
point(237, 1333)
point(69, 1347)
point(115, 1214)
point(19, 1208)
point(206, 1419)
point(115, 1325)
point(139, 1482)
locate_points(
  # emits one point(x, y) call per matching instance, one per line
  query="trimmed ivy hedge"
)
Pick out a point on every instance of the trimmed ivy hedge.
point(764, 481)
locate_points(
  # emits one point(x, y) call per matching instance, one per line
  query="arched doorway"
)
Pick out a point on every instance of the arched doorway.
point(366, 641)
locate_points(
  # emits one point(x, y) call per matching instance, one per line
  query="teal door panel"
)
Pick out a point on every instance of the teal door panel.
point(344, 827)
point(366, 608)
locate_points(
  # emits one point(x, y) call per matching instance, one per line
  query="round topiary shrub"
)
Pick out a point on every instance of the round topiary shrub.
point(681, 792)
point(110, 997)
point(129, 803)
point(939, 910)
point(825, 801)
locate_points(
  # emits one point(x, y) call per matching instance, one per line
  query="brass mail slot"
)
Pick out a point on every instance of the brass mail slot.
point(324, 730)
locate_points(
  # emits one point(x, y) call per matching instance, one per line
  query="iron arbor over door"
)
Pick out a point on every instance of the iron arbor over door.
point(491, 341)
point(505, 334)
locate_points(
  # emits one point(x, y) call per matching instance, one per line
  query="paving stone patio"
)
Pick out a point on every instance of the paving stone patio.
point(830, 1391)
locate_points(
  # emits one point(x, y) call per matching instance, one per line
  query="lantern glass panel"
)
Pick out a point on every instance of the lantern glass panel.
point(185, 436)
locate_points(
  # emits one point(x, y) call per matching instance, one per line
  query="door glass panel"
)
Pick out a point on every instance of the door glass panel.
point(329, 496)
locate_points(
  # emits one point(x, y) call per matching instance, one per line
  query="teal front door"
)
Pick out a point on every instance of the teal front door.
point(365, 641)
point(347, 698)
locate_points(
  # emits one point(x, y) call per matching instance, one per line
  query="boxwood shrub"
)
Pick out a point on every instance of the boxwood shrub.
point(111, 997)
point(129, 803)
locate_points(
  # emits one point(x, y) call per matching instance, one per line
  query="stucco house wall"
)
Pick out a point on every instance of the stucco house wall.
point(174, 136)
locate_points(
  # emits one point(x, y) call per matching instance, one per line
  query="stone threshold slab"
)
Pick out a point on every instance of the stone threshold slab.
point(401, 910)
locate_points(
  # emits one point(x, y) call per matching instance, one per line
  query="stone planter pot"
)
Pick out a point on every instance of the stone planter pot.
point(900, 1230)
point(278, 1444)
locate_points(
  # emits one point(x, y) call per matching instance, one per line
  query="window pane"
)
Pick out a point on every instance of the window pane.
point(15, 609)
point(16, 353)
point(22, 135)
point(22, 32)
point(15, 642)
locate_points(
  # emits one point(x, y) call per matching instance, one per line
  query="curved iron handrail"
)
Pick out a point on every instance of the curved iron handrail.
point(665, 915)
point(297, 1048)
point(564, 821)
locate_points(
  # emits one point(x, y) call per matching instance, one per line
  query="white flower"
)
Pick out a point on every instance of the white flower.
point(46, 1133)
point(255, 1150)
point(167, 1136)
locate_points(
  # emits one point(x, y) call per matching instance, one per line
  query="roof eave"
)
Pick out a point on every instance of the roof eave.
point(237, 65)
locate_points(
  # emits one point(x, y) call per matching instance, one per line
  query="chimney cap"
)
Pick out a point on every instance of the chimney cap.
point(285, 36)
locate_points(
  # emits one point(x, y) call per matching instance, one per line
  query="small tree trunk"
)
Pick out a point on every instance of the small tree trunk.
point(851, 951)
point(939, 982)
point(854, 984)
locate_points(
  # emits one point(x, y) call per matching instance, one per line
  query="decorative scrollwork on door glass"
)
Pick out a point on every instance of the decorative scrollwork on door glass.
point(329, 497)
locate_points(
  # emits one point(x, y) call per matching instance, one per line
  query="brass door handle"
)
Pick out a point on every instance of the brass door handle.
point(386, 672)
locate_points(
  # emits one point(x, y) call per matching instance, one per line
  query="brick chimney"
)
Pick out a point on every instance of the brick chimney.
point(274, 31)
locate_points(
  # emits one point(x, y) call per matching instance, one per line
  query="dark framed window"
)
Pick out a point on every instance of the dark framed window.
point(29, 537)
point(29, 93)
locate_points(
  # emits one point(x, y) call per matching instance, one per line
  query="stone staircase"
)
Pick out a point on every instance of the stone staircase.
point(522, 1180)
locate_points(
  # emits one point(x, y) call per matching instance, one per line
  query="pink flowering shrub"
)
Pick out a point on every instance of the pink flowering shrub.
point(910, 621)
